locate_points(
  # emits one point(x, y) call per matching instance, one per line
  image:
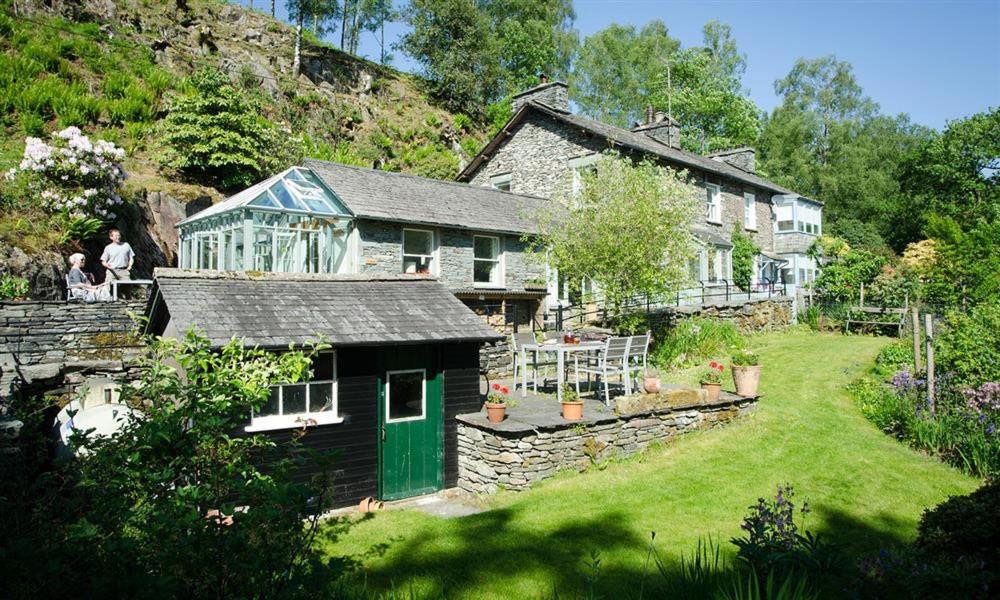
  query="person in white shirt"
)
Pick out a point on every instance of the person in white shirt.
point(117, 257)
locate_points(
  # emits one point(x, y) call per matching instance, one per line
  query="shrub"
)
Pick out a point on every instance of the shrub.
point(173, 505)
point(894, 357)
point(73, 176)
point(12, 287)
point(216, 134)
point(693, 340)
point(841, 279)
point(744, 251)
point(968, 345)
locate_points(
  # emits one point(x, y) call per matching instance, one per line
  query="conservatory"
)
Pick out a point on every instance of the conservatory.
point(289, 223)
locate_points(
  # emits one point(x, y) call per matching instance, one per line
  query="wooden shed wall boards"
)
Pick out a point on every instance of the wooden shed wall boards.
point(405, 361)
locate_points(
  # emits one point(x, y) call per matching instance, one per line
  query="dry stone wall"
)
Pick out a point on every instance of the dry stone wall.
point(52, 347)
point(490, 460)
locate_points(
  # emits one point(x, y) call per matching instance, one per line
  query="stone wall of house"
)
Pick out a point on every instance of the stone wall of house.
point(52, 347)
point(490, 460)
point(381, 252)
point(537, 156)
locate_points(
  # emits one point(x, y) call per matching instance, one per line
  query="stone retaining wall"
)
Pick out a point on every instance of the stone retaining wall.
point(490, 460)
point(750, 316)
point(50, 347)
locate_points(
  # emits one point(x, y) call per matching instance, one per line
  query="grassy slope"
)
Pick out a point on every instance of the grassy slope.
point(866, 489)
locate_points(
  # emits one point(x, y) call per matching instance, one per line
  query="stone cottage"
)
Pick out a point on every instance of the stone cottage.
point(544, 147)
point(323, 217)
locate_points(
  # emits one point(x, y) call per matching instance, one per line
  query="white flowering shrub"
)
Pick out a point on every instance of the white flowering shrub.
point(72, 175)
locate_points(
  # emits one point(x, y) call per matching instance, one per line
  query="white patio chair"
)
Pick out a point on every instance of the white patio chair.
point(611, 360)
point(517, 340)
point(638, 350)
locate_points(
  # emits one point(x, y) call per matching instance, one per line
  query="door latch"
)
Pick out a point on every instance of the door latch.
point(383, 434)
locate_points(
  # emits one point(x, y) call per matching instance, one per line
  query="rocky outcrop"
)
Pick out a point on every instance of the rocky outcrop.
point(44, 271)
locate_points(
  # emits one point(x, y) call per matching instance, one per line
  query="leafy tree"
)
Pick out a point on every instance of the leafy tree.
point(954, 174)
point(619, 71)
point(627, 230)
point(173, 505)
point(216, 134)
point(966, 265)
point(533, 37)
point(860, 234)
point(452, 41)
point(828, 141)
point(744, 251)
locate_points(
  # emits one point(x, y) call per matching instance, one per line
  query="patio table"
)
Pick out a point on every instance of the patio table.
point(561, 349)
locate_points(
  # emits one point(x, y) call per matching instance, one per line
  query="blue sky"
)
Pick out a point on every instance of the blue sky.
point(936, 60)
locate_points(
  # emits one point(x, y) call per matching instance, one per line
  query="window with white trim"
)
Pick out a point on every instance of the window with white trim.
point(309, 402)
point(418, 251)
point(581, 165)
point(207, 253)
point(749, 211)
point(405, 395)
point(785, 216)
point(713, 203)
point(487, 269)
point(501, 182)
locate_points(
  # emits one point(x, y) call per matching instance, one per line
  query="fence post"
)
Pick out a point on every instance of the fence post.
point(514, 306)
point(861, 302)
point(929, 329)
point(915, 319)
point(559, 317)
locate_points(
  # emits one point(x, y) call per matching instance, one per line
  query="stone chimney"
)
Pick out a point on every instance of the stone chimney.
point(554, 94)
point(744, 158)
point(660, 127)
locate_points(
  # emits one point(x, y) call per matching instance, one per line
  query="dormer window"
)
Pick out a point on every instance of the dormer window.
point(501, 182)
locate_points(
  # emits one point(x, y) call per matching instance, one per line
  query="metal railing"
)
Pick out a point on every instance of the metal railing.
point(703, 294)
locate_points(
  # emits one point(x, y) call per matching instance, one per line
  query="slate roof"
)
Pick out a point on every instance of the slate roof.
point(623, 137)
point(387, 196)
point(274, 310)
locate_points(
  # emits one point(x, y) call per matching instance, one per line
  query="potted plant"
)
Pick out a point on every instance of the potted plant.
point(496, 403)
point(711, 380)
point(651, 383)
point(746, 373)
point(572, 406)
point(535, 284)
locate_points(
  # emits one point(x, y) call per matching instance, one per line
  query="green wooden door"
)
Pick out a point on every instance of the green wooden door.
point(411, 449)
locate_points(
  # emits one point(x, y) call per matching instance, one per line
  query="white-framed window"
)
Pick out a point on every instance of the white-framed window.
point(405, 395)
point(311, 402)
point(785, 216)
point(808, 218)
point(487, 269)
point(579, 166)
point(501, 182)
point(749, 211)
point(418, 251)
point(713, 203)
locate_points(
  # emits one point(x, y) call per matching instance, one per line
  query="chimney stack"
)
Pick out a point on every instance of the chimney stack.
point(554, 95)
point(661, 128)
point(744, 158)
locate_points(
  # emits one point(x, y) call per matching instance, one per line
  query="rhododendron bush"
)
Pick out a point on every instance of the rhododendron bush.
point(73, 176)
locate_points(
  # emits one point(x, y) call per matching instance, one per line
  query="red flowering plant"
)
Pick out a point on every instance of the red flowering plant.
point(713, 374)
point(498, 394)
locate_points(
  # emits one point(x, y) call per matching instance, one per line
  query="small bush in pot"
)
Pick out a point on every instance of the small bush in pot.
point(746, 372)
point(711, 380)
point(496, 403)
point(572, 406)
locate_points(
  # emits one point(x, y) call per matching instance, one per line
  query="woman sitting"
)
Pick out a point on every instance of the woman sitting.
point(81, 284)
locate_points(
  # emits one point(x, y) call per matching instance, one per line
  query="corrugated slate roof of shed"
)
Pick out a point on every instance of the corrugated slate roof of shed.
point(388, 196)
point(278, 309)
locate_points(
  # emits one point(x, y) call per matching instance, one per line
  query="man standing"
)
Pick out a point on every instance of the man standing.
point(117, 257)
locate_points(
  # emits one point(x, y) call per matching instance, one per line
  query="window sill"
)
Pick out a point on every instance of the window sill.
point(293, 422)
point(751, 229)
point(711, 222)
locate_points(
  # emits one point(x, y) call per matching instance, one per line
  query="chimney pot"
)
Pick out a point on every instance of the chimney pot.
point(543, 78)
point(659, 117)
point(649, 114)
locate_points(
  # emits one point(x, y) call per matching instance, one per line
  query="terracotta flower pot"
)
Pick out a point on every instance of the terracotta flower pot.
point(651, 385)
point(746, 380)
point(495, 411)
point(713, 390)
point(572, 411)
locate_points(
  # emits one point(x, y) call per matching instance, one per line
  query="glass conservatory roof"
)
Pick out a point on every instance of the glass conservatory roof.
point(293, 190)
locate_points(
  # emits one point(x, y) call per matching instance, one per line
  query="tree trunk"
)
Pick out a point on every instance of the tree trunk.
point(272, 9)
point(343, 24)
point(297, 60)
point(315, 24)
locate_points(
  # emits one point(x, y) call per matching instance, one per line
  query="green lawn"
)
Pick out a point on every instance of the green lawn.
point(867, 491)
